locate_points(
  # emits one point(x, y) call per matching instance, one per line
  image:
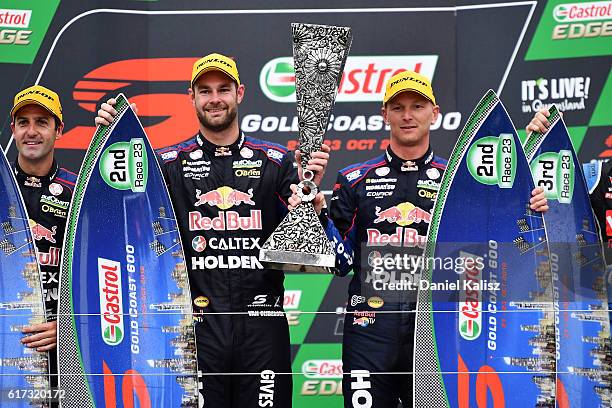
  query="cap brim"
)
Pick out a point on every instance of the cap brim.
point(205, 70)
point(32, 102)
point(409, 90)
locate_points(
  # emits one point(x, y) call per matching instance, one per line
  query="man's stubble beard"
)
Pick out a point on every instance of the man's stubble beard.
point(231, 115)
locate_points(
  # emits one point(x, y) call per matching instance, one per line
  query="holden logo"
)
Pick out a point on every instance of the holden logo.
point(246, 152)
point(382, 171)
point(196, 154)
point(56, 189)
point(433, 173)
point(375, 302)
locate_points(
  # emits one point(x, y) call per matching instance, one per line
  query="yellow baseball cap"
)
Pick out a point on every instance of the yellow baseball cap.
point(215, 62)
point(408, 81)
point(38, 95)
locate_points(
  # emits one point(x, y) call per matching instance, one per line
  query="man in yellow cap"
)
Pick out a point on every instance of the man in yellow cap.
point(37, 122)
point(229, 193)
point(378, 206)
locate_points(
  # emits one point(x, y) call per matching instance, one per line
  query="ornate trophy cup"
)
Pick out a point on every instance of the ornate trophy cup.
point(299, 242)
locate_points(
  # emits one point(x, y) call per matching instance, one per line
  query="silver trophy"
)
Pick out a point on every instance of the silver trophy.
point(299, 242)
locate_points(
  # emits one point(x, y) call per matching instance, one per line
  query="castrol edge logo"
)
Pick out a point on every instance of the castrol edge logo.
point(15, 18)
point(325, 369)
point(574, 12)
point(363, 79)
point(470, 299)
point(111, 304)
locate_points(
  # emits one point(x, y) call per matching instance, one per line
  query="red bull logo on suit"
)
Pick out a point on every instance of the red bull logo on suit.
point(224, 197)
point(402, 214)
point(39, 232)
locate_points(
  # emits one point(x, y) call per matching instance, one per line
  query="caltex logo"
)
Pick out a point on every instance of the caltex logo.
point(198, 243)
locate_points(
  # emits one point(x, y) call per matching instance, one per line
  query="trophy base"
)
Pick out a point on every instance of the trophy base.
point(298, 261)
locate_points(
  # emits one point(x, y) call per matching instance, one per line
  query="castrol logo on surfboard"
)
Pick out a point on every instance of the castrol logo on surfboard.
point(470, 299)
point(111, 303)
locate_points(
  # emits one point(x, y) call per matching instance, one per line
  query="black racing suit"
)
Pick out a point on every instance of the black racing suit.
point(47, 200)
point(227, 201)
point(381, 209)
point(599, 181)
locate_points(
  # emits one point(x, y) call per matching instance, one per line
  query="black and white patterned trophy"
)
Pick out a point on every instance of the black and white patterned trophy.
point(319, 54)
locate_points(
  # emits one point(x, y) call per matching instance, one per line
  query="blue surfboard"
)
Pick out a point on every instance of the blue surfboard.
point(126, 325)
point(485, 333)
point(23, 371)
point(580, 295)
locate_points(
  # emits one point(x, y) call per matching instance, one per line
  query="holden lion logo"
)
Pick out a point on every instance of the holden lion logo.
point(111, 303)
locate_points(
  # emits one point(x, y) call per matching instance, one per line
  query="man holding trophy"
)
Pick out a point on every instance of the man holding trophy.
point(229, 193)
point(381, 208)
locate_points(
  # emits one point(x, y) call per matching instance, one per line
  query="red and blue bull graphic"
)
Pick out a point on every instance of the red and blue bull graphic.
point(402, 214)
point(224, 197)
point(41, 232)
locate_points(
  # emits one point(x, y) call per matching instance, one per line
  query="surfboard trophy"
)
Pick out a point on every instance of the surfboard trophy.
point(24, 372)
point(299, 242)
